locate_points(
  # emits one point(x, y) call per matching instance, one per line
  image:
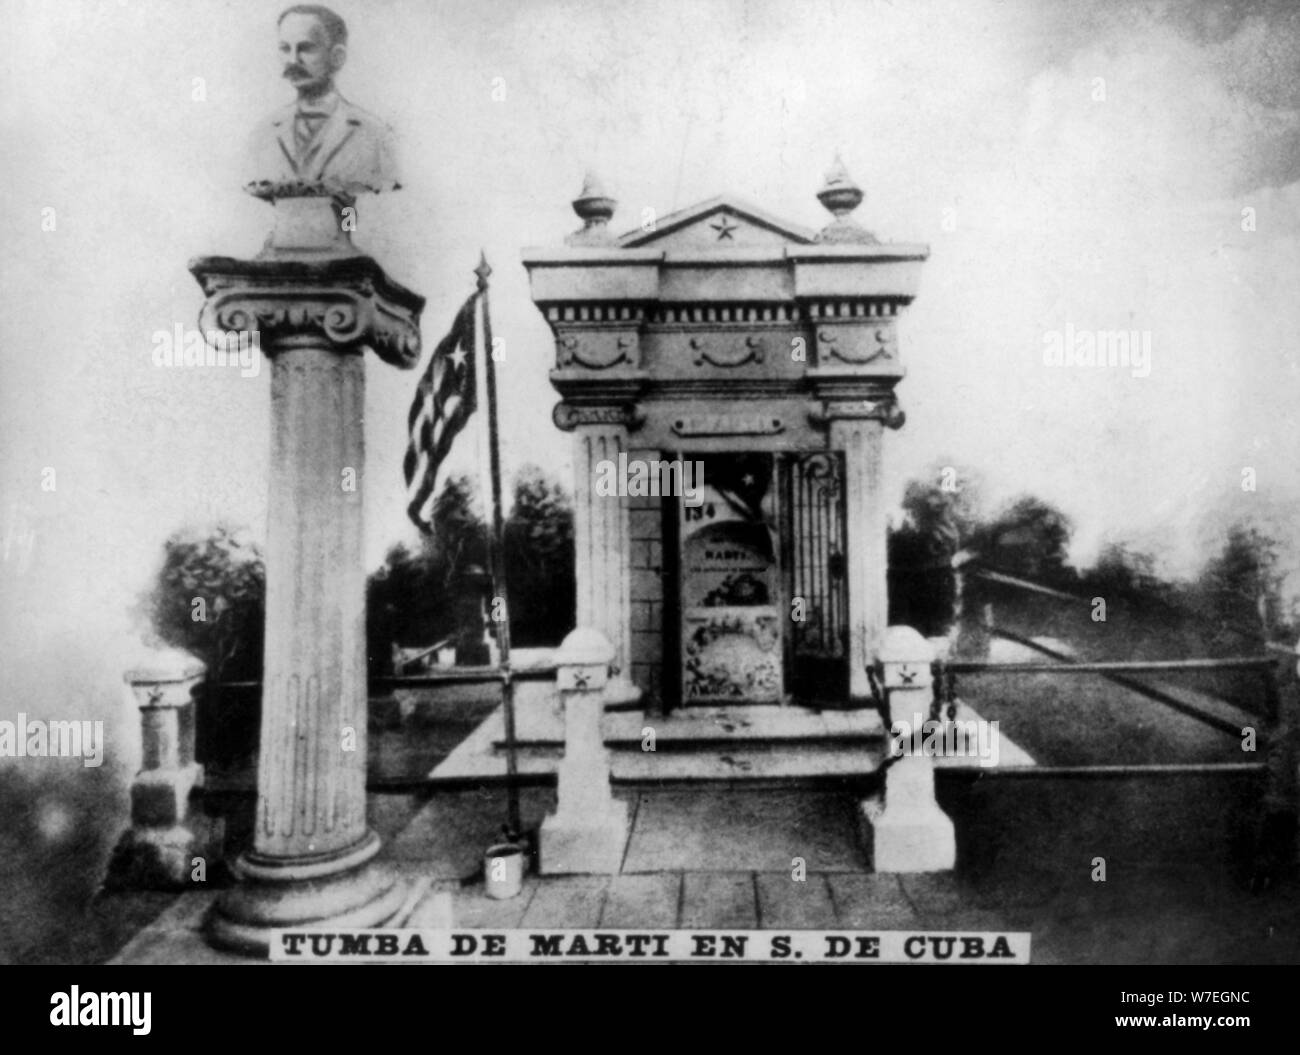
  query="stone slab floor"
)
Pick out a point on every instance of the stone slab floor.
point(1176, 888)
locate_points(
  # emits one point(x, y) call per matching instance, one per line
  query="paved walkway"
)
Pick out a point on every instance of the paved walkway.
point(714, 858)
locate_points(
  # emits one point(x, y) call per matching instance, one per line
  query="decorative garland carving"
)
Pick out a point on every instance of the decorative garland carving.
point(570, 350)
point(752, 352)
point(884, 347)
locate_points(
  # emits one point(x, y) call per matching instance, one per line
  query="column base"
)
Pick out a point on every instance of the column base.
point(907, 837)
point(346, 890)
point(621, 694)
point(584, 845)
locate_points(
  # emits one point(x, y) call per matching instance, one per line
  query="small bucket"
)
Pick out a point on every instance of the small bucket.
point(503, 870)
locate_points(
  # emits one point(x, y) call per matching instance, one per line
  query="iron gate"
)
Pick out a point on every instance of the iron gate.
point(813, 548)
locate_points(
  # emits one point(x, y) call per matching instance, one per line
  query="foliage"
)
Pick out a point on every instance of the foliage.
point(416, 598)
point(421, 595)
point(1126, 574)
point(539, 560)
point(1029, 538)
point(942, 511)
point(1237, 595)
point(940, 517)
point(209, 598)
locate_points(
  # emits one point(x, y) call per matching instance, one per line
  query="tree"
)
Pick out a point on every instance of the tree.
point(942, 509)
point(459, 538)
point(940, 514)
point(539, 560)
point(1029, 538)
point(1125, 573)
point(1238, 592)
point(210, 599)
point(417, 597)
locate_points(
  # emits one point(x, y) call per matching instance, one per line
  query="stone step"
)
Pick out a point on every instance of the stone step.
point(748, 764)
point(818, 748)
point(715, 727)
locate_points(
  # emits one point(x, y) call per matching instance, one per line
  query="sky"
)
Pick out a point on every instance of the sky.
point(1095, 167)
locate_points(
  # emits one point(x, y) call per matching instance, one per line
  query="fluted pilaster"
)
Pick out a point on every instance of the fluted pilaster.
point(602, 543)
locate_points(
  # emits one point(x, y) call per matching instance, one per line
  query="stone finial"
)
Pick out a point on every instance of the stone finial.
point(595, 208)
point(584, 645)
point(840, 196)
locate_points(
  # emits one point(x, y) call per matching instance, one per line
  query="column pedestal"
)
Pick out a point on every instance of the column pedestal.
point(166, 841)
point(311, 863)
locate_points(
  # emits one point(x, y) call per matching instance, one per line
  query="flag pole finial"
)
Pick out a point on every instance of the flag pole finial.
point(483, 270)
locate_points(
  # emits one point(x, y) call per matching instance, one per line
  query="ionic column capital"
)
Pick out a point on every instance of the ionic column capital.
point(569, 417)
point(350, 303)
point(883, 408)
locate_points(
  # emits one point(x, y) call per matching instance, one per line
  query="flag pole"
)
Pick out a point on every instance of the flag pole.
point(513, 822)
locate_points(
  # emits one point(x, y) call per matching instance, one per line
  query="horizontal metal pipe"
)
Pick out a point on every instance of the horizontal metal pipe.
point(1173, 769)
point(482, 676)
point(468, 676)
point(1117, 666)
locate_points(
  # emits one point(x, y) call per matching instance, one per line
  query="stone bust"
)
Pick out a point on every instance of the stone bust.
point(319, 145)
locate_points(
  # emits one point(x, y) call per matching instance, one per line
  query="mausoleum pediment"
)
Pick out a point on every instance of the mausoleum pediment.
point(719, 223)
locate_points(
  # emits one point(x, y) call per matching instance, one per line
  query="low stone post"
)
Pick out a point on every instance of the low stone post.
point(158, 851)
point(903, 826)
point(588, 832)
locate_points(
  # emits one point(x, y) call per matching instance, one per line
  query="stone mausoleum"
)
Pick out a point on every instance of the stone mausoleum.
point(765, 354)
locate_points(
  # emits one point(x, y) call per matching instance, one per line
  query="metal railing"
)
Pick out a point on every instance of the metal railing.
point(484, 675)
point(945, 682)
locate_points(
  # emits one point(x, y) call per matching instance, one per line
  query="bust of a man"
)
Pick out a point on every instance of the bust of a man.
point(320, 144)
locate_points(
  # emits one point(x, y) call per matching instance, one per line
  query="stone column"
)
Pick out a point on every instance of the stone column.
point(903, 826)
point(588, 831)
point(602, 546)
point(310, 863)
point(160, 848)
point(860, 439)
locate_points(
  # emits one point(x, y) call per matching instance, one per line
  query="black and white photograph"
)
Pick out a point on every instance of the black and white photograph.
point(731, 481)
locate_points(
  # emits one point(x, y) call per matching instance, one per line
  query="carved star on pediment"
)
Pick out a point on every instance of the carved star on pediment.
point(725, 228)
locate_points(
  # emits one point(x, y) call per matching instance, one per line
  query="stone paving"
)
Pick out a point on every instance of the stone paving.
point(713, 858)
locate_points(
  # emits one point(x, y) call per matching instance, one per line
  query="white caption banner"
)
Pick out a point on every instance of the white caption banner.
point(539, 946)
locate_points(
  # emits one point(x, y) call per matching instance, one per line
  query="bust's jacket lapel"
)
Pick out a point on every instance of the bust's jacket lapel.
point(283, 124)
point(341, 127)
